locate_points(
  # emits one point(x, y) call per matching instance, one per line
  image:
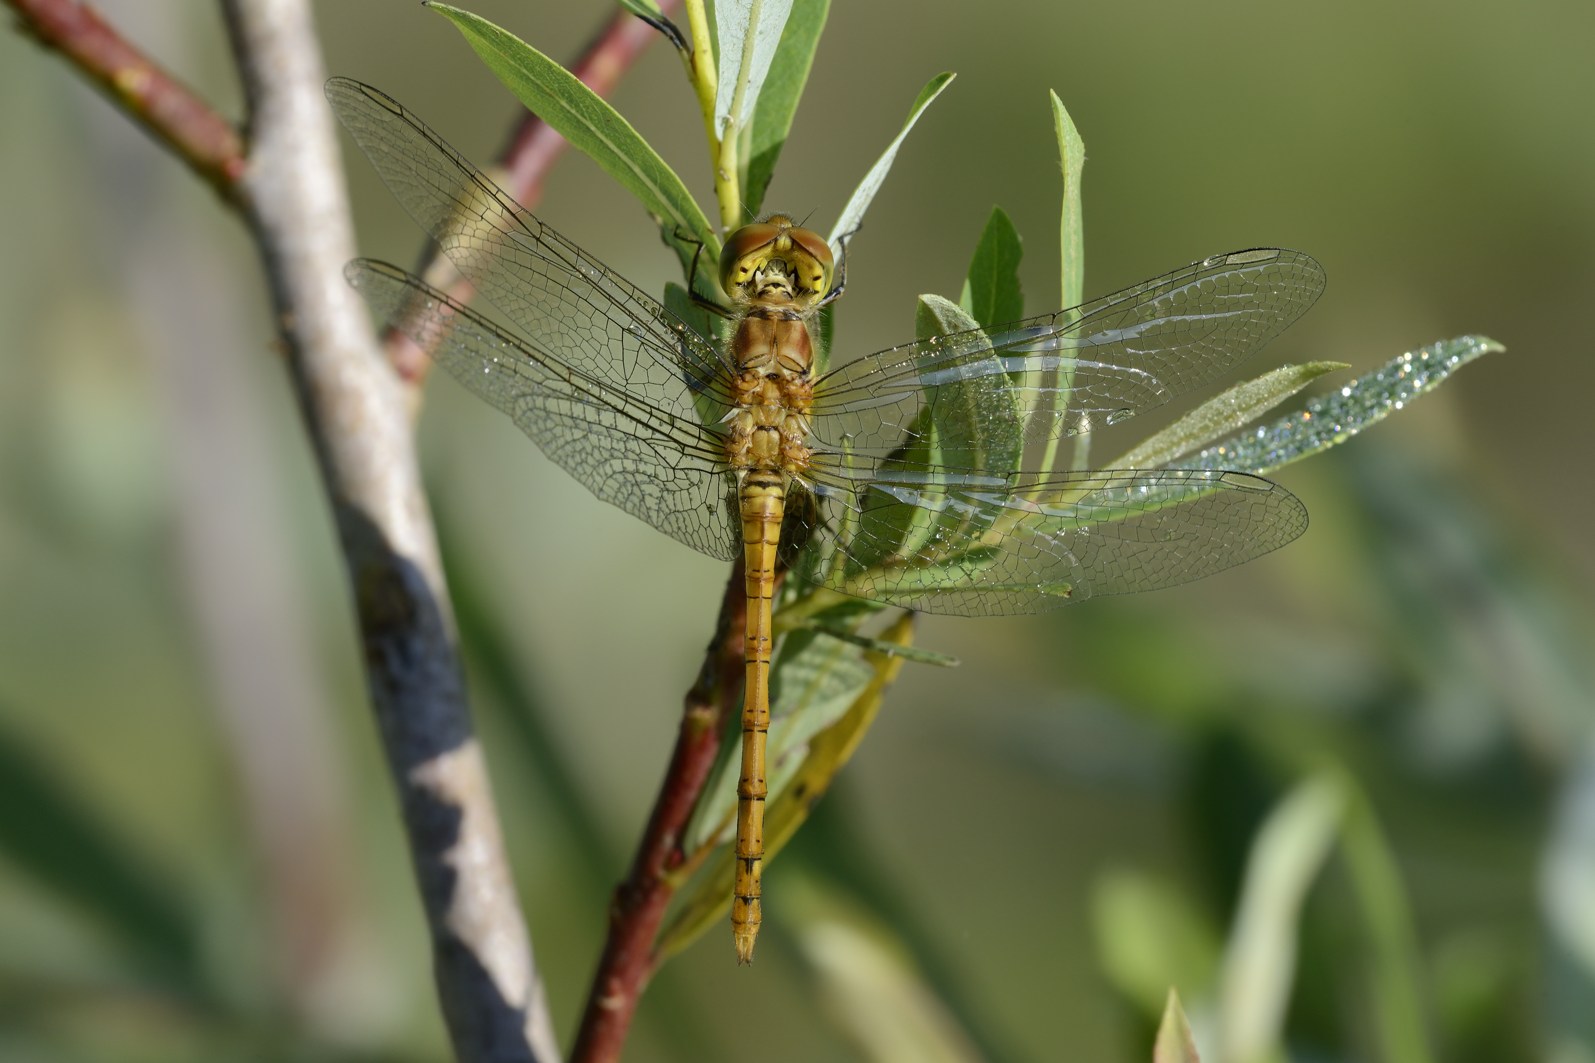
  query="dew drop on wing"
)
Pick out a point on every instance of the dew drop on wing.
point(1118, 416)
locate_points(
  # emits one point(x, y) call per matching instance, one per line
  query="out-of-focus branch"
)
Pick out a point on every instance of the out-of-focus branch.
point(639, 904)
point(167, 109)
point(292, 191)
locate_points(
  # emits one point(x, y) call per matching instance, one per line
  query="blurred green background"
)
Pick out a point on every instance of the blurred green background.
point(198, 853)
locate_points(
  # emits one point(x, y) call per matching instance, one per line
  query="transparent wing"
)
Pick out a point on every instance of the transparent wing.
point(1076, 370)
point(941, 541)
point(569, 305)
point(660, 466)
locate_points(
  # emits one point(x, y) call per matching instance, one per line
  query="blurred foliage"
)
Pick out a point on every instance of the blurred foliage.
point(1426, 642)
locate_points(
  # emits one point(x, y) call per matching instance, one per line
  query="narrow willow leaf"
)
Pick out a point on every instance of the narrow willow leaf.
point(1336, 417)
point(917, 654)
point(1395, 988)
point(749, 31)
point(1148, 933)
point(588, 122)
point(829, 751)
point(772, 118)
point(1260, 961)
point(1071, 240)
point(868, 982)
point(853, 214)
point(992, 294)
point(1071, 229)
point(1175, 1042)
point(1234, 409)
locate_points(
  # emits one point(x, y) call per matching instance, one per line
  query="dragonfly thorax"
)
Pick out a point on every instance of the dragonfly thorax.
point(772, 392)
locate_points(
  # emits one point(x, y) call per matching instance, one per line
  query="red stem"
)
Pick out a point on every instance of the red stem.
point(640, 900)
point(166, 108)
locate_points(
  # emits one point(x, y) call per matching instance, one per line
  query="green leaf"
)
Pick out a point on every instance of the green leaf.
point(772, 118)
point(1228, 412)
point(853, 214)
point(1175, 1042)
point(589, 123)
point(895, 529)
point(749, 31)
point(1260, 961)
point(1071, 228)
point(1071, 239)
point(917, 654)
point(992, 294)
point(1334, 418)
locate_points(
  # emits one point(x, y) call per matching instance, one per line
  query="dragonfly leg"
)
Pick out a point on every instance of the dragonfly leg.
point(840, 282)
point(702, 302)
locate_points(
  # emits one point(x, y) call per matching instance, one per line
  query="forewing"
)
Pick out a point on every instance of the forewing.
point(1077, 370)
point(940, 541)
point(663, 467)
point(572, 307)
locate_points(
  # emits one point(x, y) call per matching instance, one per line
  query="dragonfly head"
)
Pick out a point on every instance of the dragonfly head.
point(776, 261)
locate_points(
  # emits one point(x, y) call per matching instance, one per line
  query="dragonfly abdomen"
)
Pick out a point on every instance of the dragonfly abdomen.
point(762, 502)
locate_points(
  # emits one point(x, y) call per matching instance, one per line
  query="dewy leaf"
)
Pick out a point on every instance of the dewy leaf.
point(992, 294)
point(1175, 1042)
point(1071, 232)
point(749, 31)
point(772, 117)
point(1234, 409)
point(853, 214)
point(1336, 417)
point(561, 100)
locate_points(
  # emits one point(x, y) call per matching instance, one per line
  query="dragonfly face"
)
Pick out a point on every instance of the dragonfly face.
point(777, 263)
point(907, 476)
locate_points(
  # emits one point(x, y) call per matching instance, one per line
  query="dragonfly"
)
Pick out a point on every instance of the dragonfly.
point(899, 477)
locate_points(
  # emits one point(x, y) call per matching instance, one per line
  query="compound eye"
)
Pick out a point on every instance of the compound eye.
point(818, 266)
point(741, 254)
